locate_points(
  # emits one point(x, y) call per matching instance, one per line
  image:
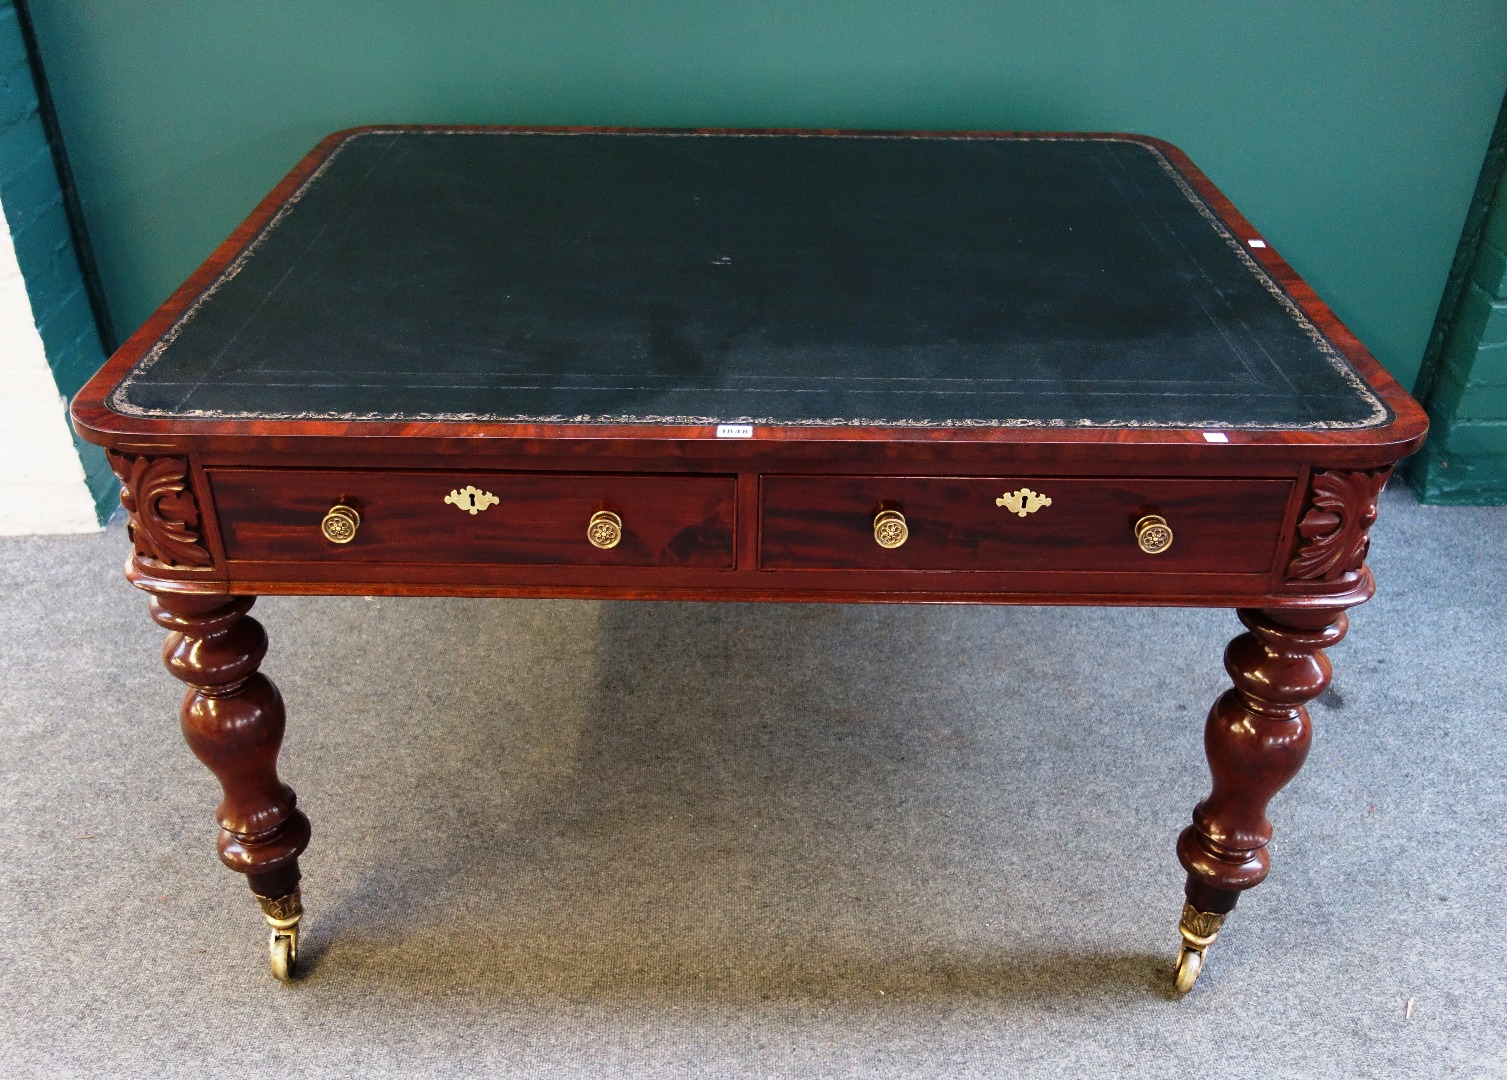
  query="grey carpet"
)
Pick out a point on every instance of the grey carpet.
point(695, 840)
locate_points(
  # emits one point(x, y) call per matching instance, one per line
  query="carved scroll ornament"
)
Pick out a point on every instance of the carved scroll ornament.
point(1334, 532)
point(162, 516)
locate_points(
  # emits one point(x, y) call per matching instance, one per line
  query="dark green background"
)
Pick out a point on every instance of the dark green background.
point(1351, 133)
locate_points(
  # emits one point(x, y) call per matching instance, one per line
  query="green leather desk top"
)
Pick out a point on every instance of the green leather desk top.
point(794, 279)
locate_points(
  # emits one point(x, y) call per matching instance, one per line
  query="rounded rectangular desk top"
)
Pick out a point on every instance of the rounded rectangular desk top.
point(789, 279)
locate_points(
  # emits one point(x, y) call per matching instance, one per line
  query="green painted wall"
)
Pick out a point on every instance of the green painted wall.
point(1463, 383)
point(1351, 133)
point(38, 222)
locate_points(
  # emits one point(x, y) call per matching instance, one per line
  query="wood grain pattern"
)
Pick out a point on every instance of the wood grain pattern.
point(540, 519)
point(1220, 526)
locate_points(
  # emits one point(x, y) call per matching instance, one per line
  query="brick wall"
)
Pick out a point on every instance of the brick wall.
point(1464, 380)
point(49, 342)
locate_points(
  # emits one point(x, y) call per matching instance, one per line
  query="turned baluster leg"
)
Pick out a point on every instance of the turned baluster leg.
point(1256, 739)
point(233, 721)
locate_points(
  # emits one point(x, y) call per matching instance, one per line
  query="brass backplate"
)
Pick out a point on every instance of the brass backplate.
point(1153, 534)
point(472, 499)
point(340, 524)
point(1023, 501)
point(604, 530)
point(890, 529)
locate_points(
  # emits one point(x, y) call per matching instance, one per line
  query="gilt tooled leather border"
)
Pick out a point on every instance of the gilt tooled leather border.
point(1379, 415)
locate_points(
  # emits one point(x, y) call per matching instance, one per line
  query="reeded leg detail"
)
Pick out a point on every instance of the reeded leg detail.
point(1256, 739)
point(233, 722)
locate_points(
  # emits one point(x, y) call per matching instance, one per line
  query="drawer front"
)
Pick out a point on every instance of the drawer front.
point(521, 518)
point(968, 523)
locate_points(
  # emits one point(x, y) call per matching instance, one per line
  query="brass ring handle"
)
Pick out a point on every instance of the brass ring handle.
point(890, 530)
point(340, 524)
point(1153, 534)
point(604, 530)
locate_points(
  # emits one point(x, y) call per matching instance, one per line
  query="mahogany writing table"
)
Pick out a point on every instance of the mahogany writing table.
point(759, 365)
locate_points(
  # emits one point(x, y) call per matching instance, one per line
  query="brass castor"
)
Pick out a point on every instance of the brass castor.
point(283, 954)
point(282, 914)
point(1189, 963)
point(1199, 929)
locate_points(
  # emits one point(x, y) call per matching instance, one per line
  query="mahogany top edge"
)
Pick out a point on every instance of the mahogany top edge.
point(97, 422)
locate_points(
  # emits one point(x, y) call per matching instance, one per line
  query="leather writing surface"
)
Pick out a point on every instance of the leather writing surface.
point(799, 279)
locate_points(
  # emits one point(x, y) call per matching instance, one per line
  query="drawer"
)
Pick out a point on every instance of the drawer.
point(971, 523)
point(523, 518)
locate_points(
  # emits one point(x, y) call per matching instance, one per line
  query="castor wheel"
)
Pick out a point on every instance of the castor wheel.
point(283, 914)
point(1199, 929)
point(1189, 963)
point(282, 951)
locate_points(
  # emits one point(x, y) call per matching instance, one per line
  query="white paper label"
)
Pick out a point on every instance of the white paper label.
point(1256, 243)
point(1216, 436)
point(734, 431)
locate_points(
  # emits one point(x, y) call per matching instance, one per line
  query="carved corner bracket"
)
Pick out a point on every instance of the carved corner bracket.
point(162, 516)
point(1334, 531)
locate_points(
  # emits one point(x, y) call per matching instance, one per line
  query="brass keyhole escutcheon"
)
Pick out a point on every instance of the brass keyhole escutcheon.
point(340, 524)
point(1153, 534)
point(1023, 501)
point(604, 530)
point(890, 530)
point(471, 499)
